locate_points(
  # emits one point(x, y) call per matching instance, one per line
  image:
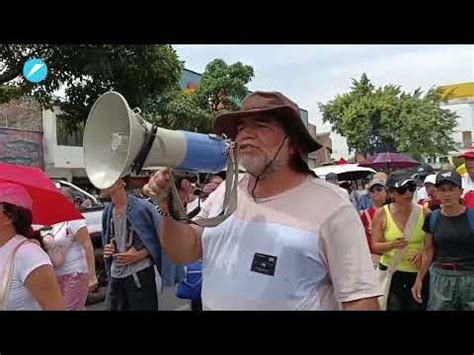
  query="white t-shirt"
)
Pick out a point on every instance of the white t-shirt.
point(467, 184)
point(29, 257)
point(421, 194)
point(304, 249)
point(64, 237)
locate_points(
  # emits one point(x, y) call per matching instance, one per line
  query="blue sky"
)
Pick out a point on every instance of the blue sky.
point(309, 74)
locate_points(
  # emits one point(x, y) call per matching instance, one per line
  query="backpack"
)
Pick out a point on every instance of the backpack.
point(434, 218)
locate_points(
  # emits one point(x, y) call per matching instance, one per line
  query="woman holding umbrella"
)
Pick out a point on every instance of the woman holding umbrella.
point(28, 281)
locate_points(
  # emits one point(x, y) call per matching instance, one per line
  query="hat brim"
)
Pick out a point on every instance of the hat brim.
point(467, 155)
point(448, 181)
point(377, 183)
point(228, 122)
point(400, 183)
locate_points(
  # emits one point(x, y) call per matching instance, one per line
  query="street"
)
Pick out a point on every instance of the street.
point(167, 302)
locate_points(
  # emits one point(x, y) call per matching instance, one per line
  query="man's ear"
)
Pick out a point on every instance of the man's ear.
point(291, 146)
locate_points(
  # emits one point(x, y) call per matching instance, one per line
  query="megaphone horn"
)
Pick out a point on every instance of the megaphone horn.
point(118, 141)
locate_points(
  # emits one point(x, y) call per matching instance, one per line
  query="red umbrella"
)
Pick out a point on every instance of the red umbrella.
point(342, 161)
point(50, 206)
point(390, 161)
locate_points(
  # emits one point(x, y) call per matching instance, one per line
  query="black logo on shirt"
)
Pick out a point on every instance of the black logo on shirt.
point(264, 264)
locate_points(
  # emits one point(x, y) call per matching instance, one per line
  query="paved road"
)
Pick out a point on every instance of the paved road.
point(167, 302)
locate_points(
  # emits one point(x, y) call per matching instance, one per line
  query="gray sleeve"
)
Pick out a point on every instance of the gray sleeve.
point(346, 252)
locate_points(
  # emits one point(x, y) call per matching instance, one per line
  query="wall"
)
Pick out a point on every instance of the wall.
point(21, 136)
point(61, 161)
point(21, 147)
point(322, 155)
point(23, 113)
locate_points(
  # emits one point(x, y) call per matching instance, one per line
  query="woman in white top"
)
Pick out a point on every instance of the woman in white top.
point(71, 251)
point(27, 279)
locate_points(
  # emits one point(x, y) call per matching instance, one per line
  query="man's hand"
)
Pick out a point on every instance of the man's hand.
point(109, 249)
point(400, 243)
point(131, 256)
point(93, 283)
point(158, 184)
point(416, 291)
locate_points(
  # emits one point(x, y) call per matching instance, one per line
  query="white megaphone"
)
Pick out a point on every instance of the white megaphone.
point(118, 141)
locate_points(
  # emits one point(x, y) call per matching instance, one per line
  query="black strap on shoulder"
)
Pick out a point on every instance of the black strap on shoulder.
point(137, 164)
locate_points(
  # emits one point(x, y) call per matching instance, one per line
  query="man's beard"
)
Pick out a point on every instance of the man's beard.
point(257, 164)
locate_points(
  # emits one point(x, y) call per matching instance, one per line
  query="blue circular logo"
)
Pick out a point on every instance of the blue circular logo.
point(35, 70)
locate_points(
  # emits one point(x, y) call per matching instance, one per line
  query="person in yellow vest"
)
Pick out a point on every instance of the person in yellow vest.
point(388, 237)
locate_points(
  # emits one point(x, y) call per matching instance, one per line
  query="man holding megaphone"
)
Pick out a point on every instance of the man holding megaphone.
point(293, 241)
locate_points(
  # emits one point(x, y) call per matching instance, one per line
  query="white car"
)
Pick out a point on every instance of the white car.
point(92, 211)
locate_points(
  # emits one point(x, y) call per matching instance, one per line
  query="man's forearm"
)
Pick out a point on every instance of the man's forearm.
point(90, 257)
point(180, 241)
point(426, 259)
point(364, 304)
point(382, 247)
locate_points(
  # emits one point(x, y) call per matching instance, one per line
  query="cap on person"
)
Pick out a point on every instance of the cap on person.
point(16, 195)
point(375, 182)
point(467, 154)
point(399, 178)
point(268, 103)
point(430, 179)
point(380, 176)
point(449, 177)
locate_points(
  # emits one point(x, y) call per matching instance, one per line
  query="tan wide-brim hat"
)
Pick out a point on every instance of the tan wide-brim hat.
point(268, 103)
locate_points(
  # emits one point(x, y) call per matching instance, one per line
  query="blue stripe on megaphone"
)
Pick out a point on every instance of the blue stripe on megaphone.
point(203, 154)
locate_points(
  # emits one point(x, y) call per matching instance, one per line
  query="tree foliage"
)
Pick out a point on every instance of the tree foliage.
point(222, 87)
point(386, 118)
point(84, 72)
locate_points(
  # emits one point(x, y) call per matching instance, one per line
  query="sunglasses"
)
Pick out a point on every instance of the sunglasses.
point(376, 189)
point(403, 189)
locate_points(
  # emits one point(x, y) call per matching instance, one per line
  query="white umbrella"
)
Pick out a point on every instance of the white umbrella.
point(344, 171)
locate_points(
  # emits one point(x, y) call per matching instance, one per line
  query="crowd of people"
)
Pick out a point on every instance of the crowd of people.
point(294, 241)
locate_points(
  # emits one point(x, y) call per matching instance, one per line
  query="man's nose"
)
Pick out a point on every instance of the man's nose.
point(245, 133)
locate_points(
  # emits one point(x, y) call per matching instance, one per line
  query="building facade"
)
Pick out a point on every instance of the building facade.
point(458, 98)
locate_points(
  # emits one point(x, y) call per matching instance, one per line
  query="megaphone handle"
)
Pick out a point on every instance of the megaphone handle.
point(145, 149)
point(230, 197)
point(176, 207)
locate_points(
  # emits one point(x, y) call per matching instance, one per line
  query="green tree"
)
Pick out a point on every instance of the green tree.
point(222, 87)
point(178, 110)
point(384, 119)
point(84, 72)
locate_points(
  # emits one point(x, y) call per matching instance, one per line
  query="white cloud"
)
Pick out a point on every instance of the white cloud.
point(315, 73)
